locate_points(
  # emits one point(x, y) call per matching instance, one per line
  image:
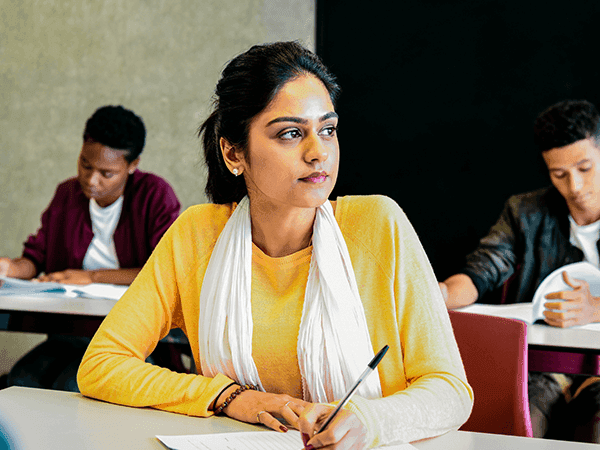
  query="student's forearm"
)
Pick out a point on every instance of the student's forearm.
point(114, 276)
point(460, 291)
point(21, 268)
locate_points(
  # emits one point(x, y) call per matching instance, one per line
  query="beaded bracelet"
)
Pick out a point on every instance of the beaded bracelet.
point(221, 393)
point(233, 395)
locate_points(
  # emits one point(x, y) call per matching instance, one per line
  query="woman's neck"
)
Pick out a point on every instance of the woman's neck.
point(281, 231)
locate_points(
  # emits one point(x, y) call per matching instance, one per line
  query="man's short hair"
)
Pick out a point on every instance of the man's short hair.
point(566, 122)
point(117, 128)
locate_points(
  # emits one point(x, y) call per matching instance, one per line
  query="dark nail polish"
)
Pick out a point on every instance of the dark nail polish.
point(309, 447)
point(283, 428)
point(305, 438)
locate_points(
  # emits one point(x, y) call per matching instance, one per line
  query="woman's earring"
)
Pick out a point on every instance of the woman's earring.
point(236, 172)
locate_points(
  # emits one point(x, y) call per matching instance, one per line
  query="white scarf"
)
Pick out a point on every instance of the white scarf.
point(334, 346)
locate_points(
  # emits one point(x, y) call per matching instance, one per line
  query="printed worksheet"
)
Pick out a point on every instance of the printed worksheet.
point(253, 440)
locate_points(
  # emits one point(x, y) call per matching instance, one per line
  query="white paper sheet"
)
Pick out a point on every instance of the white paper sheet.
point(253, 440)
point(519, 311)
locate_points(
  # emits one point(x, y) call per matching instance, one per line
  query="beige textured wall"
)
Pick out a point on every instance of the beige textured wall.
point(61, 59)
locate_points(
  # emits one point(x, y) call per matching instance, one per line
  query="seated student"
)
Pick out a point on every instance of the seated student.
point(283, 295)
point(100, 227)
point(539, 232)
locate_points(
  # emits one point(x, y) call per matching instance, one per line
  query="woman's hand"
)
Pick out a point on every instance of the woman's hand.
point(346, 431)
point(261, 407)
point(69, 276)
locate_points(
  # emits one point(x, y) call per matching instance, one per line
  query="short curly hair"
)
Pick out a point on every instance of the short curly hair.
point(117, 128)
point(566, 122)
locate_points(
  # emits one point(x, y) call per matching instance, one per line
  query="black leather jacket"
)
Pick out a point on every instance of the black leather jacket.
point(530, 240)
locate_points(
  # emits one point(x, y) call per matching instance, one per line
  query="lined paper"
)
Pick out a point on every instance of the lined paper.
point(253, 440)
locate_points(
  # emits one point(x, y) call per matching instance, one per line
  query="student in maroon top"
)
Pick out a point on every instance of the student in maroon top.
point(107, 169)
point(65, 248)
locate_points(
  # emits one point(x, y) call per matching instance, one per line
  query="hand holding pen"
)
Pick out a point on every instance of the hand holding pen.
point(339, 428)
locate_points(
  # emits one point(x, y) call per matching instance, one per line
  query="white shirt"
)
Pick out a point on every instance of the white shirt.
point(101, 254)
point(585, 237)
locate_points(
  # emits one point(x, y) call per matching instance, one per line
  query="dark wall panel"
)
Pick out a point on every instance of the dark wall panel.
point(438, 101)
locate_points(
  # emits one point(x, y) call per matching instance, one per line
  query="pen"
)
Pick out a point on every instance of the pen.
point(370, 368)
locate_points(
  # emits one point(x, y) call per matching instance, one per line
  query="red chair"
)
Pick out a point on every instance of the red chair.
point(494, 353)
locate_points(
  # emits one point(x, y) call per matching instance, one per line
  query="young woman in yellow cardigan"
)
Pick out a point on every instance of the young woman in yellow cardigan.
point(283, 295)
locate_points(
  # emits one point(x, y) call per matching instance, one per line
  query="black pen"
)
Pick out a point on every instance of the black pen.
point(370, 368)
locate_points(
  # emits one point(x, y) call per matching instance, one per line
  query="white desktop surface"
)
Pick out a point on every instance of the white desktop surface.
point(543, 335)
point(56, 303)
point(53, 420)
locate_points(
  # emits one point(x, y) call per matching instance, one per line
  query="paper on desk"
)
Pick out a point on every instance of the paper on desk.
point(15, 286)
point(246, 440)
point(519, 311)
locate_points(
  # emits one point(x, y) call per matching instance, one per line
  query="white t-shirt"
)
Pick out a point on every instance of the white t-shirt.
point(585, 238)
point(101, 254)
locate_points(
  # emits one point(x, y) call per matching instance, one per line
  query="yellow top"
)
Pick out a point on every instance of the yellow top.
point(422, 377)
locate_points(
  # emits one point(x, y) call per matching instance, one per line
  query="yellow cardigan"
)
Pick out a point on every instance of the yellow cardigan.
point(423, 381)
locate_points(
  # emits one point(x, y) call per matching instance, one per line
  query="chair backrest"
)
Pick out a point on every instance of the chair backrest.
point(494, 353)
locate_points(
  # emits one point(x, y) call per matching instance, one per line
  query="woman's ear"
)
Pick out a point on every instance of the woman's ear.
point(233, 159)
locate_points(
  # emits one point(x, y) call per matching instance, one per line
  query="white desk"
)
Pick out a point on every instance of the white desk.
point(551, 349)
point(54, 314)
point(54, 420)
point(57, 304)
point(75, 316)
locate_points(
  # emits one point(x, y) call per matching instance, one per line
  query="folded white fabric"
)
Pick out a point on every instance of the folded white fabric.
point(334, 346)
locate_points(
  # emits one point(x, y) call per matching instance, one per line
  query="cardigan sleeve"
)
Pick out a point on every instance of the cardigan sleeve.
point(437, 398)
point(113, 368)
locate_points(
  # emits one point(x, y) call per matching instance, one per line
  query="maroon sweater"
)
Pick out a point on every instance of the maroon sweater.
point(150, 206)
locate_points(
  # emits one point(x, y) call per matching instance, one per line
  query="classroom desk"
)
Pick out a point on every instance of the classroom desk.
point(565, 350)
point(54, 420)
point(81, 317)
point(54, 314)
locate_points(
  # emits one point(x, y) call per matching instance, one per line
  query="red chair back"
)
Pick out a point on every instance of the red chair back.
point(494, 353)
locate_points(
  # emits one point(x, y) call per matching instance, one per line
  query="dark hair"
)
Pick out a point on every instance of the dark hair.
point(117, 128)
point(247, 85)
point(566, 122)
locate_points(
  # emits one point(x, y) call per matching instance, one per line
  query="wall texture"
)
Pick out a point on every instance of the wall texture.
point(60, 60)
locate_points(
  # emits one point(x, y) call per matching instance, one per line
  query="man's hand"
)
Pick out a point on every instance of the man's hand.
point(4, 266)
point(458, 291)
point(70, 276)
point(578, 306)
point(444, 289)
